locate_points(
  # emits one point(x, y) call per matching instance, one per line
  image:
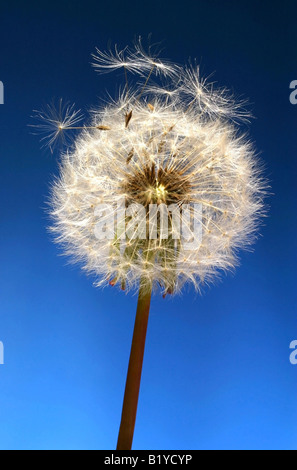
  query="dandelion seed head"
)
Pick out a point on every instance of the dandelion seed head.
point(143, 148)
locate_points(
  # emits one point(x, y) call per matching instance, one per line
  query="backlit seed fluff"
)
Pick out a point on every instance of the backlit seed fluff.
point(170, 143)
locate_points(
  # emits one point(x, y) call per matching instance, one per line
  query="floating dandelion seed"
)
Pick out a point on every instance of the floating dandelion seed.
point(134, 60)
point(164, 146)
point(210, 101)
point(53, 120)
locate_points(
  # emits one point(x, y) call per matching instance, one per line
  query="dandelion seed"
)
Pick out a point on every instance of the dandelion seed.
point(135, 60)
point(128, 117)
point(130, 156)
point(53, 120)
point(110, 61)
point(213, 102)
point(151, 61)
point(103, 128)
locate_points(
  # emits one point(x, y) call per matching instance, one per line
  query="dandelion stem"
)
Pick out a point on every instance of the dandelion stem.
point(129, 410)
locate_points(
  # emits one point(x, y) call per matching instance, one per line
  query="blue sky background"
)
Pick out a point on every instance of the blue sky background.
point(216, 370)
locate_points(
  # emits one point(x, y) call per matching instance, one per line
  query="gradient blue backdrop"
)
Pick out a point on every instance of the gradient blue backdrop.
point(216, 371)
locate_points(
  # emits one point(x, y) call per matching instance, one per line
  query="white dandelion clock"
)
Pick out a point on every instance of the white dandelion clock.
point(160, 190)
point(164, 155)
